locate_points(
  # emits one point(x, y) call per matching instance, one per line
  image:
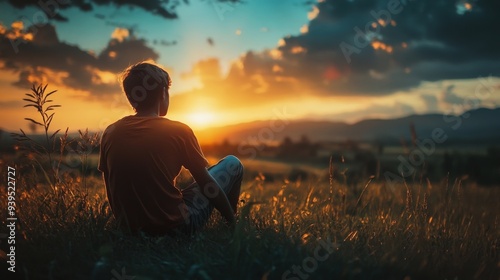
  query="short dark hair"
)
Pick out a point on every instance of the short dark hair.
point(143, 84)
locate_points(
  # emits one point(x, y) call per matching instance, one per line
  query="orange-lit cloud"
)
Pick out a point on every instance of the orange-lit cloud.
point(3, 29)
point(297, 50)
point(378, 45)
point(100, 77)
point(304, 29)
point(16, 32)
point(17, 25)
point(313, 14)
point(42, 58)
point(277, 69)
point(120, 34)
point(41, 75)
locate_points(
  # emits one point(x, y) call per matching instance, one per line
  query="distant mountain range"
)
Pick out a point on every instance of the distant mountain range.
point(481, 126)
point(475, 127)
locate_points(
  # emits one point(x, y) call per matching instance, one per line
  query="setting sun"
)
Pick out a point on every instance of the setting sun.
point(200, 119)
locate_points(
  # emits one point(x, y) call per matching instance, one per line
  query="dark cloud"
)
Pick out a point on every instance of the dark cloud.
point(100, 16)
point(448, 97)
point(431, 102)
point(162, 8)
point(368, 47)
point(41, 57)
point(164, 43)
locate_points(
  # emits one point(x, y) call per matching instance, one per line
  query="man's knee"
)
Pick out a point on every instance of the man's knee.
point(233, 165)
point(233, 159)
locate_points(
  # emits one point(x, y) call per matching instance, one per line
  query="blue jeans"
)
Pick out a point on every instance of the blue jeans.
point(228, 173)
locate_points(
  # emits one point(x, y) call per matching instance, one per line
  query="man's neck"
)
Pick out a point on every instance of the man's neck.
point(147, 114)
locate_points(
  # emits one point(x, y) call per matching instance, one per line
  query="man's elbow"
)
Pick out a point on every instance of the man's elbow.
point(206, 182)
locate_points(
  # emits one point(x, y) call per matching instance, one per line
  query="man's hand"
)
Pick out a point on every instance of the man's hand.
point(214, 193)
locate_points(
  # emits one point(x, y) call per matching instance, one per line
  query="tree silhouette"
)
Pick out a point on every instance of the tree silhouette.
point(164, 8)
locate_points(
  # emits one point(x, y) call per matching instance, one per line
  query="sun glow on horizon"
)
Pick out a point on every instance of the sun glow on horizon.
point(202, 119)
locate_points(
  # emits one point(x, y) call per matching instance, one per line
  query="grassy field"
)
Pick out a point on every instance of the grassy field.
point(286, 230)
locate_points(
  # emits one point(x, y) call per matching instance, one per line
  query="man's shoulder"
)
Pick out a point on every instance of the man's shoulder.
point(157, 124)
point(114, 125)
point(176, 124)
point(178, 128)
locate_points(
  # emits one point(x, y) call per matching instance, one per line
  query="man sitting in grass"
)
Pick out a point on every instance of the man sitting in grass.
point(142, 154)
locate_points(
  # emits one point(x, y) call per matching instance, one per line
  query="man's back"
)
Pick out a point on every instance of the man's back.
point(140, 158)
point(142, 154)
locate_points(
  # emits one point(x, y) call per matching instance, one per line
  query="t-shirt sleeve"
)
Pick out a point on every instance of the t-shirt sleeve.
point(194, 157)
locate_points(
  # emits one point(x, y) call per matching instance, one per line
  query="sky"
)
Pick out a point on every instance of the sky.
point(233, 62)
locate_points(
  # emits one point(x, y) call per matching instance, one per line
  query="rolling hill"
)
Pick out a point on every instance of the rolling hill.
point(479, 126)
point(475, 126)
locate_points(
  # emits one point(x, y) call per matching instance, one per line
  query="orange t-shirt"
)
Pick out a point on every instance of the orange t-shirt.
point(140, 158)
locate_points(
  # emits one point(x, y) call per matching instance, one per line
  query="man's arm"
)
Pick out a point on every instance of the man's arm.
point(105, 179)
point(214, 193)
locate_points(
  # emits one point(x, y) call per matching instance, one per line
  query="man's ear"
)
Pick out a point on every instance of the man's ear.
point(163, 103)
point(165, 93)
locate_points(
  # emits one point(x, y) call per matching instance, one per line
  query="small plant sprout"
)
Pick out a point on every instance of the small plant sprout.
point(39, 99)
